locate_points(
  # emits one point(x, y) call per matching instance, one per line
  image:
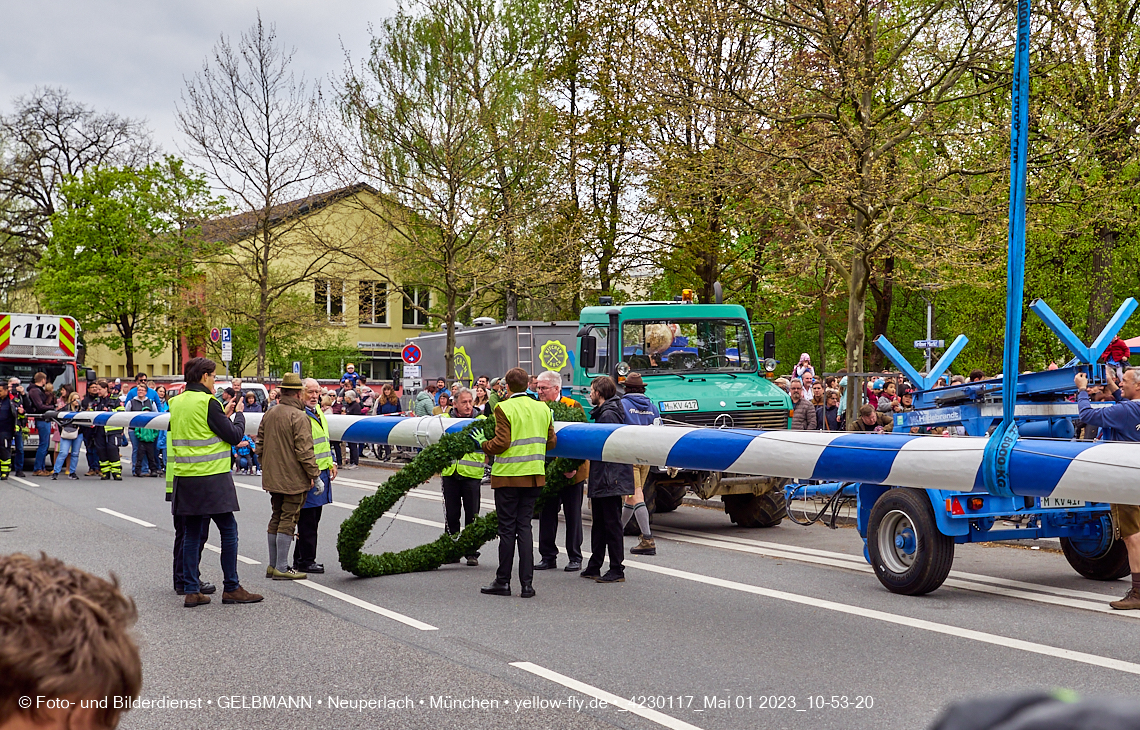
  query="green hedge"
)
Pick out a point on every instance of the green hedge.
point(355, 530)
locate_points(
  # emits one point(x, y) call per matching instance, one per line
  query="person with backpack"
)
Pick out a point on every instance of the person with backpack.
point(639, 411)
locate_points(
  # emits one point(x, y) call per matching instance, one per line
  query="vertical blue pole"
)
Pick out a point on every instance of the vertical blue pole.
point(1019, 149)
point(999, 448)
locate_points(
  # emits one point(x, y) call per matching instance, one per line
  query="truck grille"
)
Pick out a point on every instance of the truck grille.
point(770, 420)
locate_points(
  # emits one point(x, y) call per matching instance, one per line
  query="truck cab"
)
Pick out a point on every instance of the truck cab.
point(701, 368)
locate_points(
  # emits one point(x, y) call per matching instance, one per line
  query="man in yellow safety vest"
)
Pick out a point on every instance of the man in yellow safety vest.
point(305, 551)
point(461, 479)
point(524, 430)
point(203, 489)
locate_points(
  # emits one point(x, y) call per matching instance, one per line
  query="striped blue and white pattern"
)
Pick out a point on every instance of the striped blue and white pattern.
point(1100, 472)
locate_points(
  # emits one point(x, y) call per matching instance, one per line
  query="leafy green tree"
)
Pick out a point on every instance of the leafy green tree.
point(121, 251)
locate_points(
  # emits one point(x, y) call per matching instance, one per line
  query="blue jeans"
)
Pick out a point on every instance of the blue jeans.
point(136, 452)
point(43, 428)
point(68, 446)
point(18, 456)
point(192, 550)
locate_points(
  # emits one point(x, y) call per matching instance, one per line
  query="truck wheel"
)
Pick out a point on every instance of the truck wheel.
point(909, 554)
point(1095, 561)
point(756, 510)
point(668, 495)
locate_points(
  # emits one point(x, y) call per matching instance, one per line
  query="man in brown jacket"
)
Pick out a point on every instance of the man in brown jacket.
point(288, 470)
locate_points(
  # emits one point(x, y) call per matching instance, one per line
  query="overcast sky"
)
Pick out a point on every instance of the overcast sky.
point(131, 56)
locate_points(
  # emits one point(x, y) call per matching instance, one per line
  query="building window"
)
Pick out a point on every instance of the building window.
point(373, 302)
point(329, 298)
point(419, 297)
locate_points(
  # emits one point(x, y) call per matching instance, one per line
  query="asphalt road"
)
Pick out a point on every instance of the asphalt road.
point(723, 628)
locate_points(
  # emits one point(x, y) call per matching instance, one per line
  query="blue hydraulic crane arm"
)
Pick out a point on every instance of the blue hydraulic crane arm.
point(999, 448)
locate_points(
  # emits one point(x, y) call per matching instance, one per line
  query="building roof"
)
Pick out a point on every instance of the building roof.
point(243, 224)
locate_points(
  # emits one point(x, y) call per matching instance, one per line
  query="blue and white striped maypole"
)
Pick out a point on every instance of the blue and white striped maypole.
point(1085, 470)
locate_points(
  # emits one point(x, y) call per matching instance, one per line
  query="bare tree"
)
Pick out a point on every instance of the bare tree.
point(47, 138)
point(252, 126)
point(451, 128)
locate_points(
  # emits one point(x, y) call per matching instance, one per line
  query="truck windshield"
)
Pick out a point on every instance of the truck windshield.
point(687, 346)
point(59, 373)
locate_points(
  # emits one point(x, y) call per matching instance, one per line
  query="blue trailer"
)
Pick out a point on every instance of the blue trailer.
point(909, 534)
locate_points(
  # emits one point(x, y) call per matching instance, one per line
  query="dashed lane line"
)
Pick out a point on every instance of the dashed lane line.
point(128, 518)
point(387, 613)
point(619, 702)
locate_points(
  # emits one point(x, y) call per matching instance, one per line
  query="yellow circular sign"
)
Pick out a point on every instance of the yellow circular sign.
point(553, 355)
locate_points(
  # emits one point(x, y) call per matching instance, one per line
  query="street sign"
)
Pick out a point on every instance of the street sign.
point(411, 354)
point(923, 344)
point(412, 371)
point(297, 366)
point(227, 351)
point(227, 334)
point(215, 335)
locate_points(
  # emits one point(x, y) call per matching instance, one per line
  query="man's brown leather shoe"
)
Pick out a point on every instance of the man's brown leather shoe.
point(195, 599)
point(241, 595)
point(1130, 600)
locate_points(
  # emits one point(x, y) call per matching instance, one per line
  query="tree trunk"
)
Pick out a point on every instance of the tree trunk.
point(856, 333)
point(823, 321)
point(1101, 293)
point(128, 345)
point(884, 299)
point(512, 311)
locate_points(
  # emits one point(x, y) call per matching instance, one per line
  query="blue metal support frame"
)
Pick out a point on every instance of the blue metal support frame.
point(1091, 353)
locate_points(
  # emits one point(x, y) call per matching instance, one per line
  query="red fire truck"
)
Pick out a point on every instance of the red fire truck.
point(35, 343)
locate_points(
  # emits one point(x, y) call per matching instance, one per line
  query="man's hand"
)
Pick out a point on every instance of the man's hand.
point(230, 408)
point(318, 486)
point(332, 474)
point(571, 474)
point(1110, 378)
point(1081, 381)
point(240, 408)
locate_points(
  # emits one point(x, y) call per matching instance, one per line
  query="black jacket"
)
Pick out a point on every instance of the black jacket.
point(215, 494)
point(608, 479)
point(39, 399)
point(827, 418)
point(9, 416)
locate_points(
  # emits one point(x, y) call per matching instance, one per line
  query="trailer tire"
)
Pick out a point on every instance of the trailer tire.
point(756, 510)
point(1112, 564)
point(909, 554)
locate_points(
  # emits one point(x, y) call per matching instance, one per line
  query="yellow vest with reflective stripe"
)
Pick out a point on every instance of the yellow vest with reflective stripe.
point(322, 449)
point(470, 465)
point(530, 422)
point(195, 450)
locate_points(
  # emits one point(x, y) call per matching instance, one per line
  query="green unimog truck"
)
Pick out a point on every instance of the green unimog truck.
point(701, 368)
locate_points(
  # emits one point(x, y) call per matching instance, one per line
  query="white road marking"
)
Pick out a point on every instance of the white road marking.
point(128, 518)
point(241, 558)
point(858, 560)
point(619, 702)
point(932, 626)
point(847, 561)
point(998, 587)
point(958, 579)
point(367, 606)
point(25, 482)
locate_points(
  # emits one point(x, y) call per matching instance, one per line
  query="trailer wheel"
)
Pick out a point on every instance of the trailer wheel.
point(910, 556)
point(756, 510)
point(1094, 561)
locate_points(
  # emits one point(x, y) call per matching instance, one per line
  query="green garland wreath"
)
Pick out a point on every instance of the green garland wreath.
point(355, 530)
